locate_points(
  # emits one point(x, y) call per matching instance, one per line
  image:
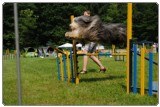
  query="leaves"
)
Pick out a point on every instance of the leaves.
point(43, 23)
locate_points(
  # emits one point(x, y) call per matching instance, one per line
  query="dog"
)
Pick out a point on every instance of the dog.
point(92, 29)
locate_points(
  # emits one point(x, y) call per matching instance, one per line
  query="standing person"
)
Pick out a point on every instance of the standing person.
point(90, 48)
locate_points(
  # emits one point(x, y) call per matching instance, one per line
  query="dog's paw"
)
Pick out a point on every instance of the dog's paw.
point(67, 34)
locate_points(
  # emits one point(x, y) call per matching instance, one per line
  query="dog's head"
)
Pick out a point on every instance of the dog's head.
point(81, 21)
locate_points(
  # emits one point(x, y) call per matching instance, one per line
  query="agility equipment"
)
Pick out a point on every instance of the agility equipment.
point(68, 63)
point(132, 70)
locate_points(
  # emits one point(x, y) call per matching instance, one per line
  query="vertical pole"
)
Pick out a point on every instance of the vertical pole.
point(150, 72)
point(113, 51)
point(68, 66)
point(61, 67)
point(58, 64)
point(64, 66)
point(142, 70)
point(72, 17)
point(113, 48)
point(18, 54)
point(130, 64)
point(75, 58)
point(135, 69)
point(75, 62)
point(71, 64)
point(129, 37)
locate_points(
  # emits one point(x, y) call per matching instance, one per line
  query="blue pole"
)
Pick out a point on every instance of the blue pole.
point(58, 62)
point(71, 61)
point(150, 72)
point(135, 69)
point(65, 71)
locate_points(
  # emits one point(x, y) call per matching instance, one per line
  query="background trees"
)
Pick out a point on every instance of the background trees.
point(42, 24)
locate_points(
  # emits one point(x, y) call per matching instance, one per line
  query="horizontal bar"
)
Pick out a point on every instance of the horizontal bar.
point(119, 54)
point(94, 54)
point(60, 51)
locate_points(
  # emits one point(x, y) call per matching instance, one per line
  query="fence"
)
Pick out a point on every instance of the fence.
point(9, 54)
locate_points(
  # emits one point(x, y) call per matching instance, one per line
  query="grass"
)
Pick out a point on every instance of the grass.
point(40, 84)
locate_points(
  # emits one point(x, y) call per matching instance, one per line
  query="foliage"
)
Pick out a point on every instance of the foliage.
point(40, 23)
point(27, 24)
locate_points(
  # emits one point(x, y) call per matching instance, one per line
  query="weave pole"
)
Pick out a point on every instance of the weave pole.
point(150, 73)
point(135, 69)
point(129, 37)
point(61, 67)
point(71, 64)
point(68, 67)
point(142, 70)
point(58, 65)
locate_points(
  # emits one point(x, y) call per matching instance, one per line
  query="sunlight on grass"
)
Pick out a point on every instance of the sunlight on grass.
point(40, 84)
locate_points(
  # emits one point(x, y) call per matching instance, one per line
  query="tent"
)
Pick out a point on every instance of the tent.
point(30, 52)
point(45, 51)
point(66, 45)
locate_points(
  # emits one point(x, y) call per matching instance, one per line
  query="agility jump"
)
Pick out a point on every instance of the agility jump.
point(73, 67)
point(66, 64)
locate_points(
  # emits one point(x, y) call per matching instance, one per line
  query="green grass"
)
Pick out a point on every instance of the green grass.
point(40, 84)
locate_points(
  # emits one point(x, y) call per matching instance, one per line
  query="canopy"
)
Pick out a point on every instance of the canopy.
point(68, 45)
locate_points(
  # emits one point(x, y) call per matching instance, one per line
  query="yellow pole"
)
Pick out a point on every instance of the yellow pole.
point(68, 66)
point(61, 67)
point(113, 48)
point(142, 69)
point(129, 36)
point(72, 17)
point(75, 58)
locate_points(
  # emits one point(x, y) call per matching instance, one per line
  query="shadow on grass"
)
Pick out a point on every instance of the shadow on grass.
point(102, 79)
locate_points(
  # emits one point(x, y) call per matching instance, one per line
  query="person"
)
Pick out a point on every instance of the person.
point(90, 48)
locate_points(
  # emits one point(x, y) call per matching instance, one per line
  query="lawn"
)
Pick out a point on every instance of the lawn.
point(40, 84)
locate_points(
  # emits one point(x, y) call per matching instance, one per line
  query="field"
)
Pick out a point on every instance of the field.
point(40, 84)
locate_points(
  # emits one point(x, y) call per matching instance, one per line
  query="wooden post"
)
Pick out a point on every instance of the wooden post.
point(75, 58)
point(75, 62)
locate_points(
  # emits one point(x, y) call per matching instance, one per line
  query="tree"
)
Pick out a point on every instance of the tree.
point(145, 21)
point(8, 26)
point(43, 23)
point(27, 24)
